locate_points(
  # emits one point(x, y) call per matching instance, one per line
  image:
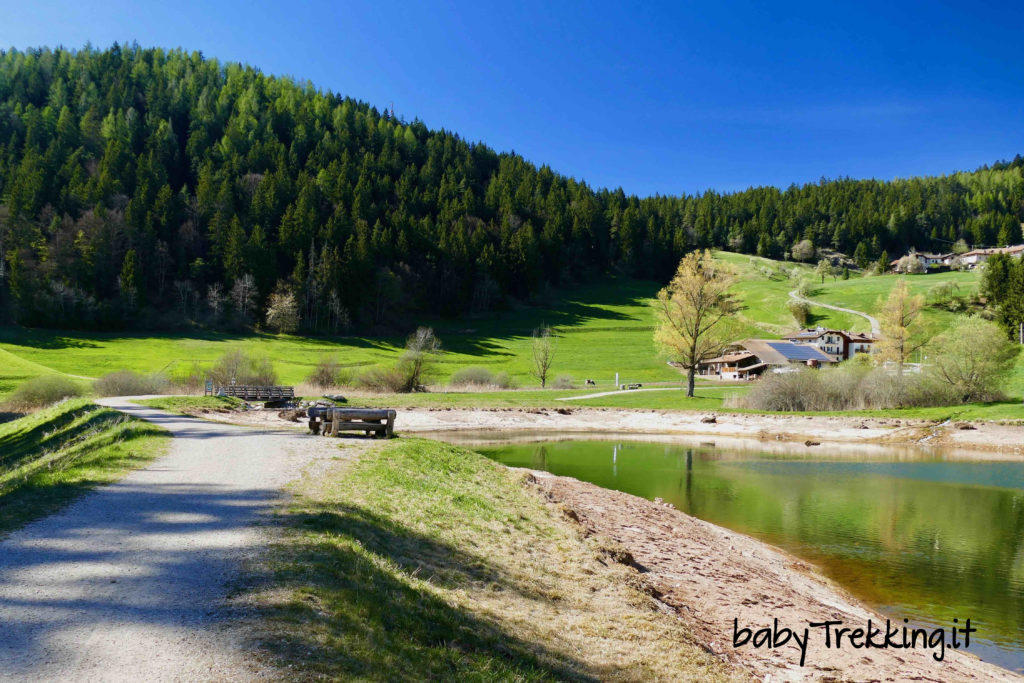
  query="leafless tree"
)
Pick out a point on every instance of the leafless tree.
point(420, 350)
point(543, 353)
point(215, 298)
point(184, 289)
point(243, 295)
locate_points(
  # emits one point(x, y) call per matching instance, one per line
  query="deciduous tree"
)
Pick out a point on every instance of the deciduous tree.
point(693, 311)
point(902, 330)
point(543, 353)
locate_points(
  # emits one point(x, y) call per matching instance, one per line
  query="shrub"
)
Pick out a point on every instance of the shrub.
point(849, 386)
point(564, 382)
point(42, 391)
point(801, 311)
point(190, 381)
point(128, 383)
point(387, 380)
point(476, 376)
point(244, 369)
point(503, 380)
point(326, 373)
point(972, 360)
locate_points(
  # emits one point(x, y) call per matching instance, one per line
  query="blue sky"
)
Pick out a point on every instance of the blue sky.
point(654, 98)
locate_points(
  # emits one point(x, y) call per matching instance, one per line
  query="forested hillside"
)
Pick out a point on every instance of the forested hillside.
point(146, 187)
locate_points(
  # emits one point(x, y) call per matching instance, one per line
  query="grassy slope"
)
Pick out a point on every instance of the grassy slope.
point(49, 458)
point(605, 328)
point(419, 560)
point(868, 293)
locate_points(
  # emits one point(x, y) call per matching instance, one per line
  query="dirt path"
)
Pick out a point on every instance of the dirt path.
point(128, 582)
point(616, 393)
point(876, 328)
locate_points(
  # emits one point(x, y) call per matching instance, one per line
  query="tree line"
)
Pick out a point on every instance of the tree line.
point(150, 187)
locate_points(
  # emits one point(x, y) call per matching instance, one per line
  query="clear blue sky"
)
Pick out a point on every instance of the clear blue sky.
point(656, 99)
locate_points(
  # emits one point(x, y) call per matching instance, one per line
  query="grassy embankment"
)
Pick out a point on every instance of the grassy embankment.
point(420, 560)
point(49, 458)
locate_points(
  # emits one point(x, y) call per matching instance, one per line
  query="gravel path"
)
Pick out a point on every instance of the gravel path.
point(128, 583)
point(876, 328)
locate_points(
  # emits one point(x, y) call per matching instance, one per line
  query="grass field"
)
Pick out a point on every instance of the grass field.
point(867, 293)
point(49, 458)
point(422, 561)
point(603, 329)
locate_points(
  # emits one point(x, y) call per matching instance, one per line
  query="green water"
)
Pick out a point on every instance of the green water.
point(924, 536)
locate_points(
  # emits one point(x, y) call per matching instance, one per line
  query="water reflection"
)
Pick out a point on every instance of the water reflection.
point(929, 536)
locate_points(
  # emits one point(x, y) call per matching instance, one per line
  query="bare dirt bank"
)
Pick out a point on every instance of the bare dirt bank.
point(985, 437)
point(990, 437)
point(709, 576)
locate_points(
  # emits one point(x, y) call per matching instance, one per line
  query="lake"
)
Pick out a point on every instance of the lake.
point(924, 535)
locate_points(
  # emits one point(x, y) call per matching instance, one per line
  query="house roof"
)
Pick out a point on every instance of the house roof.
point(730, 357)
point(778, 352)
point(1015, 249)
point(803, 335)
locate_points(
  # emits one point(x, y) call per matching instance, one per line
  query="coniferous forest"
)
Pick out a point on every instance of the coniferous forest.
point(157, 188)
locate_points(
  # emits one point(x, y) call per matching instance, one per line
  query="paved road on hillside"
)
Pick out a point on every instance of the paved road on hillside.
point(128, 582)
point(876, 329)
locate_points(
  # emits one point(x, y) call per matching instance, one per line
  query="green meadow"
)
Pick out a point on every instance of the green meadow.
point(603, 328)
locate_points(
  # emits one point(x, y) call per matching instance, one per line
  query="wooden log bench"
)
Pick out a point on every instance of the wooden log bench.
point(378, 422)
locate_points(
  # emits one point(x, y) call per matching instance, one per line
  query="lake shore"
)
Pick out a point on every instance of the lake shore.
point(977, 436)
point(709, 576)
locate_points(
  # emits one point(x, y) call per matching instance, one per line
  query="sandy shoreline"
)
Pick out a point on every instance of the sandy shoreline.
point(709, 576)
point(865, 433)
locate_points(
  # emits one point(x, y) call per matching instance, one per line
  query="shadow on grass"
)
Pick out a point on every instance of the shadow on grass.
point(357, 611)
point(50, 467)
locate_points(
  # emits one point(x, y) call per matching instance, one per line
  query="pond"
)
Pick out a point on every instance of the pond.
point(925, 535)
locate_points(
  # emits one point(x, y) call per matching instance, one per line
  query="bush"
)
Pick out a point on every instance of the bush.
point(42, 391)
point(327, 373)
point(480, 377)
point(564, 382)
point(190, 381)
point(849, 386)
point(385, 380)
point(244, 369)
point(801, 312)
point(128, 383)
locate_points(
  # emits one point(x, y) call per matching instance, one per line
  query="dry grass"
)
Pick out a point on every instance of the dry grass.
point(420, 560)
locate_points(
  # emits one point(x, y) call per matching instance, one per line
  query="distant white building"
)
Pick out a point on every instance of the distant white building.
point(976, 257)
point(839, 345)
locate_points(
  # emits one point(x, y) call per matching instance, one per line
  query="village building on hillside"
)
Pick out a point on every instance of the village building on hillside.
point(925, 259)
point(750, 358)
point(839, 345)
point(972, 259)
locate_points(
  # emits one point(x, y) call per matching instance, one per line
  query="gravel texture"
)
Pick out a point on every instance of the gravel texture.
point(129, 582)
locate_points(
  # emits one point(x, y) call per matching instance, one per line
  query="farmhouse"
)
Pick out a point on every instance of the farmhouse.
point(750, 358)
point(839, 345)
point(972, 259)
point(927, 260)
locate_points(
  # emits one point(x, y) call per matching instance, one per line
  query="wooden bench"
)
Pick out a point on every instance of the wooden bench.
point(248, 392)
point(379, 422)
